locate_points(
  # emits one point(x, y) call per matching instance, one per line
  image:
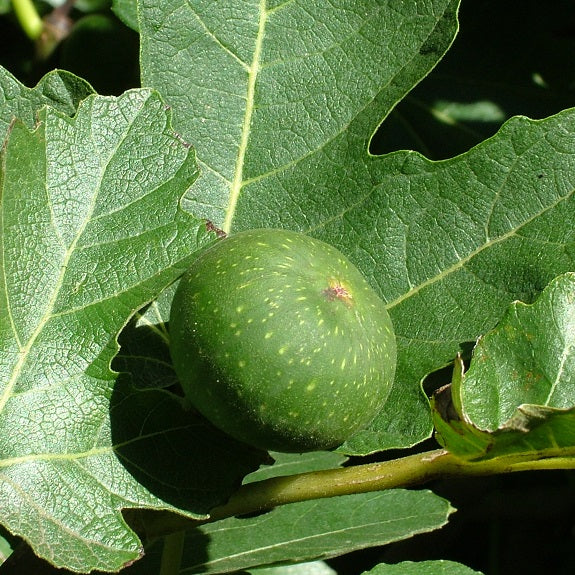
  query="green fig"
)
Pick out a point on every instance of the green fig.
point(279, 341)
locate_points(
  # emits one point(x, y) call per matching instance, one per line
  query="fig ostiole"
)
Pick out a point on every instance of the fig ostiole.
point(279, 341)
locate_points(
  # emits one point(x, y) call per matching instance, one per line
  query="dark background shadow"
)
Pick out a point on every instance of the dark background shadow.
point(509, 58)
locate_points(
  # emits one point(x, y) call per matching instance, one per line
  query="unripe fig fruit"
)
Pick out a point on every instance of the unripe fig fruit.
point(279, 341)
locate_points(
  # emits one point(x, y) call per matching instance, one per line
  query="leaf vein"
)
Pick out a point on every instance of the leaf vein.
point(48, 314)
point(252, 79)
point(211, 35)
point(463, 261)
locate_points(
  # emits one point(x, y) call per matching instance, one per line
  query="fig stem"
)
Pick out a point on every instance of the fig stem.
point(403, 472)
point(28, 17)
point(172, 553)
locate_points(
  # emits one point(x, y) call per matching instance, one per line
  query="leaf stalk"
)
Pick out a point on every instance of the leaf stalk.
point(403, 472)
point(28, 18)
point(172, 553)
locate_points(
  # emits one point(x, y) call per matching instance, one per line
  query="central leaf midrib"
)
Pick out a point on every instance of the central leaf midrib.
point(245, 135)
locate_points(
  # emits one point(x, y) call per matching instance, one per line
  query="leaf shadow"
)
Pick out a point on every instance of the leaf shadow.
point(145, 355)
point(171, 451)
point(485, 79)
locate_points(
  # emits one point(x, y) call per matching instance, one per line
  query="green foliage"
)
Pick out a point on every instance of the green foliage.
point(100, 241)
point(517, 397)
point(423, 568)
point(104, 205)
point(315, 529)
point(127, 11)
